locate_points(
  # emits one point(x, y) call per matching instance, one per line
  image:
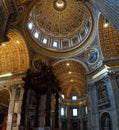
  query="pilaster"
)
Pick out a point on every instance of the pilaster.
point(94, 108)
point(113, 91)
point(14, 112)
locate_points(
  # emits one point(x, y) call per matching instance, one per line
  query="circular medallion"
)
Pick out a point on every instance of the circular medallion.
point(92, 55)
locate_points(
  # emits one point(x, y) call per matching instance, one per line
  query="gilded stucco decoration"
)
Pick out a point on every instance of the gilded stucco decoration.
point(66, 23)
point(71, 75)
point(19, 2)
point(109, 40)
point(14, 56)
point(59, 29)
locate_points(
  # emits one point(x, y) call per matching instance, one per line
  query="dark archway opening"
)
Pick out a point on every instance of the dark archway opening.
point(105, 121)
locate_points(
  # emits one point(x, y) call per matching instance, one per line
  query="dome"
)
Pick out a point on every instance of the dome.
point(60, 25)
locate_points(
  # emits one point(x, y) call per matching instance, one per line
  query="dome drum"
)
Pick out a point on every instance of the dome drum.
point(70, 23)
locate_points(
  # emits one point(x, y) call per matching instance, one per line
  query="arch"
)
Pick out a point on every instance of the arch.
point(14, 57)
point(71, 75)
point(75, 60)
point(105, 121)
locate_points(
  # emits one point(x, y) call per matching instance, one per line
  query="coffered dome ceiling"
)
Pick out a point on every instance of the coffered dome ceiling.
point(60, 25)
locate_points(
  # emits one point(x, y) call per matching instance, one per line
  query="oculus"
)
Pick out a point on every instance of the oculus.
point(59, 5)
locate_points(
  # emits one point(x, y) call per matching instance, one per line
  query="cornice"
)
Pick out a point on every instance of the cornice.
point(16, 78)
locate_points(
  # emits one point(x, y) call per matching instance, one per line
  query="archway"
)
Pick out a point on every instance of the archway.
point(105, 121)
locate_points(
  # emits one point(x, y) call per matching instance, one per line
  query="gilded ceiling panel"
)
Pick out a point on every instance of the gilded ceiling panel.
point(14, 56)
point(109, 39)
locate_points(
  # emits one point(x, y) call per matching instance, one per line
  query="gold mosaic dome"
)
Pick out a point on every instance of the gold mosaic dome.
point(60, 24)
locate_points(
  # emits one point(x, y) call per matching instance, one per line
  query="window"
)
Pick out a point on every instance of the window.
point(54, 44)
point(62, 96)
point(74, 112)
point(30, 26)
point(44, 40)
point(86, 110)
point(62, 111)
point(86, 30)
point(74, 98)
point(36, 35)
